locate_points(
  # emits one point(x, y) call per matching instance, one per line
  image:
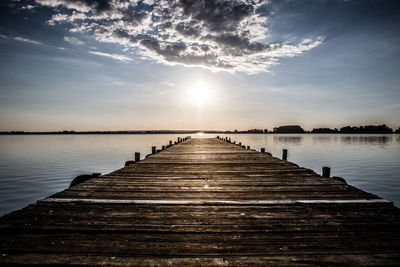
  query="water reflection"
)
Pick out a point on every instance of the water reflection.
point(366, 139)
point(323, 138)
point(293, 140)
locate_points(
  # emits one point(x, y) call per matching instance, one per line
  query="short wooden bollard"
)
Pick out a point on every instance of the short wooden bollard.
point(326, 172)
point(137, 156)
point(262, 150)
point(240, 143)
point(234, 142)
point(170, 142)
point(153, 150)
point(248, 147)
point(163, 148)
point(284, 154)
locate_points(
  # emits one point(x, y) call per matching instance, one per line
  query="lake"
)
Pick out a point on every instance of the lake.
point(35, 166)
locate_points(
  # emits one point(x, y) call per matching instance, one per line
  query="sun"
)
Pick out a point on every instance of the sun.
point(200, 93)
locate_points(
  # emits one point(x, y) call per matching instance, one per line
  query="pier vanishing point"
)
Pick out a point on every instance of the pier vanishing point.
point(202, 202)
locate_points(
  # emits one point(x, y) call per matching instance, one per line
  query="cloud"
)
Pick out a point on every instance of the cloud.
point(26, 40)
point(74, 41)
point(214, 34)
point(21, 39)
point(113, 56)
point(28, 7)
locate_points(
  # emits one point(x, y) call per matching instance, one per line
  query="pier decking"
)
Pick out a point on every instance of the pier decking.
point(205, 202)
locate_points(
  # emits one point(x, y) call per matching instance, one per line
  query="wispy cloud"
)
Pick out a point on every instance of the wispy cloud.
point(21, 39)
point(214, 34)
point(74, 41)
point(113, 56)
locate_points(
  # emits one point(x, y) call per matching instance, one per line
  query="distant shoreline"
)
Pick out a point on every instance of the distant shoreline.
point(165, 132)
point(287, 129)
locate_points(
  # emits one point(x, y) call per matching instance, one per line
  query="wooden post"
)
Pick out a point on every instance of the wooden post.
point(240, 143)
point(153, 150)
point(137, 156)
point(248, 147)
point(284, 154)
point(163, 148)
point(170, 142)
point(262, 150)
point(326, 172)
point(234, 142)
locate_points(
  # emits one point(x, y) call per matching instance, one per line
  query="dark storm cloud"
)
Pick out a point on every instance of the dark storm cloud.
point(216, 34)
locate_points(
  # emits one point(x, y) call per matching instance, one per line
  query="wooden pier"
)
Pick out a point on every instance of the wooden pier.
point(205, 202)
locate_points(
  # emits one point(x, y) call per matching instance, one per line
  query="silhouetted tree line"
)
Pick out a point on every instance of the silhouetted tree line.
point(368, 129)
point(287, 129)
point(324, 130)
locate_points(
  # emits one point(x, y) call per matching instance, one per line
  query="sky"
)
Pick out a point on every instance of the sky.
point(195, 64)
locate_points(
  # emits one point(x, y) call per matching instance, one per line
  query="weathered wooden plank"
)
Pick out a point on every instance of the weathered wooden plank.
point(347, 259)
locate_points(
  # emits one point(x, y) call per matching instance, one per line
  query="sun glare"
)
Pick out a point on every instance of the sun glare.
point(200, 93)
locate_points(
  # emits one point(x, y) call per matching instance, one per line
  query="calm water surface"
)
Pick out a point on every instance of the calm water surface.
point(35, 166)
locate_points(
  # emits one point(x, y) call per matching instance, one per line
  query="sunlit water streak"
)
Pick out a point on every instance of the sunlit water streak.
point(35, 166)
